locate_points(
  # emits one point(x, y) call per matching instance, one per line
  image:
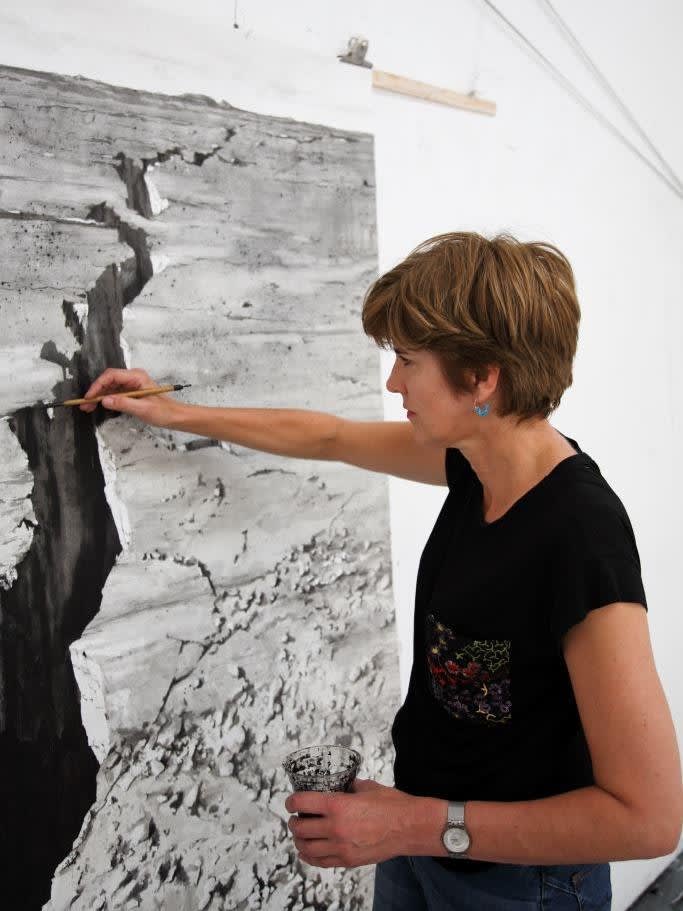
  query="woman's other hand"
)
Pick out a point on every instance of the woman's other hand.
point(371, 824)
point(157, 410)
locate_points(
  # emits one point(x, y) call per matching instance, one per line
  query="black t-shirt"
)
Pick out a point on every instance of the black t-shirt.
point(490, 712)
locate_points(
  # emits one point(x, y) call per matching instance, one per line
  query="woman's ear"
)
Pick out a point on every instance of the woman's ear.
point(486, 381)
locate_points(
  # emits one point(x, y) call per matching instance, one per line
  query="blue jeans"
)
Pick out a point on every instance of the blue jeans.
point(421, 884)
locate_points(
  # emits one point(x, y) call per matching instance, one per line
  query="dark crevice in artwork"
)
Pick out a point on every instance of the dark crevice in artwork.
point(42, 217)
point(48, 769)
point(72, 322)
point(133, 173)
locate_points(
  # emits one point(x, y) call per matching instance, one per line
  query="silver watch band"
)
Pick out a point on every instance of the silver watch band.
point(456, 812)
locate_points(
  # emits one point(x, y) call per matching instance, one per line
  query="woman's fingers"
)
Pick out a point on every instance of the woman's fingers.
point(115, 379)
point(157, 410)
point(320, 847)
point(309, 828)
point(144, 408)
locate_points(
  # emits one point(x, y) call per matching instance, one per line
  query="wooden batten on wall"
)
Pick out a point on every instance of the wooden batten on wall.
point(403, 86)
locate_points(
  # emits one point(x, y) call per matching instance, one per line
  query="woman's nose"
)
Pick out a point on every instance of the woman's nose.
point(392, 384)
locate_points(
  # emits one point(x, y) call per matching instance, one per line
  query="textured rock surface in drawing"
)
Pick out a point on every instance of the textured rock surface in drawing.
point(245, 599)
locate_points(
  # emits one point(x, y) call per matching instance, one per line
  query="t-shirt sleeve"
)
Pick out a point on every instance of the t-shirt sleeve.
point(595, 565)
point(458, 470)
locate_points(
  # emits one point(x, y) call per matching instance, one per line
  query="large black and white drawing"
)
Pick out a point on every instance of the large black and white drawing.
point(202, 608)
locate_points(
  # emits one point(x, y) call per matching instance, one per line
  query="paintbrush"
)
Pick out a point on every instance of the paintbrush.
point(136, 394)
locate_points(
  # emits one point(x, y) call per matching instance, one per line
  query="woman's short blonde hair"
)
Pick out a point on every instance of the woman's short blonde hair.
point(477, 302)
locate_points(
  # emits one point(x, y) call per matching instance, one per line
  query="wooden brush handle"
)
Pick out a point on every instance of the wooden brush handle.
point(136, 394)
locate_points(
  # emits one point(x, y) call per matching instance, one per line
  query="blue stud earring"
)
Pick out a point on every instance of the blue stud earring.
point(483, 410)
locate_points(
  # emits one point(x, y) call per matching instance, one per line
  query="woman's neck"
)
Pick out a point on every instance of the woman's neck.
point(510, 460)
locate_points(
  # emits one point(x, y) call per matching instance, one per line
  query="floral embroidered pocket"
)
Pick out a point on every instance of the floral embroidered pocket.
point(470, 678)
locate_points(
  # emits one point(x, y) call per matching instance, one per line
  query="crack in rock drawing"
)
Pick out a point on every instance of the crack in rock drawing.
point(211, 602)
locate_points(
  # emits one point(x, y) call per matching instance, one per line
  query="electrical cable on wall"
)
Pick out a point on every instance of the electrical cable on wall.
point(587, 104)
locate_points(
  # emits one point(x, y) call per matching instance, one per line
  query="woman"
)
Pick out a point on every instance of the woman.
point(535, 743)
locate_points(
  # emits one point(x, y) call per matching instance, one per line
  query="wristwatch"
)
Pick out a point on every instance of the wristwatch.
point(455, 837)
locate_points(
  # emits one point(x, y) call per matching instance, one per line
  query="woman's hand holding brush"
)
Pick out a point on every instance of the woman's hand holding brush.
point(158, 410)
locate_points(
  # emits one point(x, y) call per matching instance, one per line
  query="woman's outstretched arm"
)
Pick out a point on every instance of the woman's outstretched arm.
point(384, 446)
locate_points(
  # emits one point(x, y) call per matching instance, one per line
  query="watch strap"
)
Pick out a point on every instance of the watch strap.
point(456, 813)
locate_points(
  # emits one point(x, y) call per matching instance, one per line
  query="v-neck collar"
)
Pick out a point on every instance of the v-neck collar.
point(579, 457)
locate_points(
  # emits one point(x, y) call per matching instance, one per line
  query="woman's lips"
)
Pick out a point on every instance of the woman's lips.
point(410, 414)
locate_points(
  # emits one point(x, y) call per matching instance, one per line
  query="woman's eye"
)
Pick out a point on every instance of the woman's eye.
point(405, 361)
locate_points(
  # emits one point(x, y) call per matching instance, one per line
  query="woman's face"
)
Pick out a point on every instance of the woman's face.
point(439, 415)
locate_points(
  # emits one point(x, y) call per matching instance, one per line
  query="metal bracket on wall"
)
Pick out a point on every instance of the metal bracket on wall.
point(355, 53)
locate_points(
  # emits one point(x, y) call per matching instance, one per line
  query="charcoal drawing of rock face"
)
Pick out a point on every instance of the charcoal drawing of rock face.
point(177, 614)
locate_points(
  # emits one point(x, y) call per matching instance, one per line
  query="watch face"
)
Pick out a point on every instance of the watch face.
point(456, 840)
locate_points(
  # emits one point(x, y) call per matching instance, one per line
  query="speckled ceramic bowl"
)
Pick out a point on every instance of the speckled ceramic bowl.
point(328, 767)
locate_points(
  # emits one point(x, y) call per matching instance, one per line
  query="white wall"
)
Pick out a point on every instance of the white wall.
point(543, 168)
